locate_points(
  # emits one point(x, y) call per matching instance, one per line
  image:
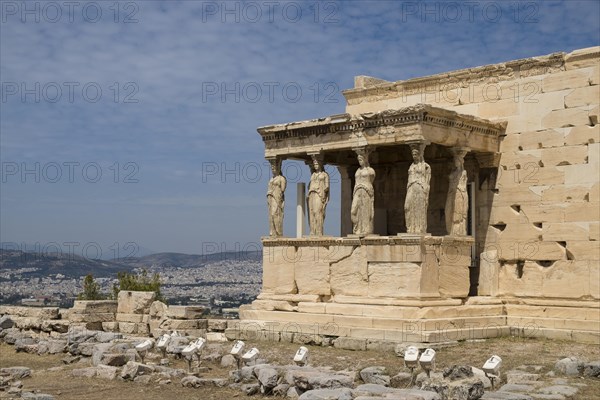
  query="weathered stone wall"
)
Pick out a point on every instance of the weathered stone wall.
point(134, 313)
point(538, 202)
point(377, 268)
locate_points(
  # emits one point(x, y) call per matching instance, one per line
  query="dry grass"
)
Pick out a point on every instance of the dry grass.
point(514, 352)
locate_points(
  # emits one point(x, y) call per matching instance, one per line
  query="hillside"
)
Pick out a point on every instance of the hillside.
point(70, 265)
point(187, 260)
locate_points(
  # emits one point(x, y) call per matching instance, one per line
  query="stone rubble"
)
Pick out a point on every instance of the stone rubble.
point(112, 356)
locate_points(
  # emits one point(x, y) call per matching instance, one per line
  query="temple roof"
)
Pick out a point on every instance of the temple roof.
point(419, 123)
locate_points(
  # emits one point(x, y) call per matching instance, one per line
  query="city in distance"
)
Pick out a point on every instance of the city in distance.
point(219, 281)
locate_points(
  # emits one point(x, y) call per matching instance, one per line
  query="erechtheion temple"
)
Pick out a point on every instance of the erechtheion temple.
point(469, 209)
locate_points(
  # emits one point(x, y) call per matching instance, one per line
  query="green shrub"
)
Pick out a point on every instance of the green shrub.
point(91, 289)
point(141, 282)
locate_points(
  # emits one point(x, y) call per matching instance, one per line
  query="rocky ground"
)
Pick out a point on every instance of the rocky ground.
point(102, 365)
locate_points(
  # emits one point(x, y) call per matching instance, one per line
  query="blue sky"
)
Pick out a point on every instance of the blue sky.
point(136, 121)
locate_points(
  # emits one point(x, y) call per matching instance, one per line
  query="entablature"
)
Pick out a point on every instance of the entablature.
point(419, 123)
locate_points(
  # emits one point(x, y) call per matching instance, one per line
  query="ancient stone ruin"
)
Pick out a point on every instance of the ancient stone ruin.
point(134, 313)
point(469, 209)
point(89, 351)
point(470, 206)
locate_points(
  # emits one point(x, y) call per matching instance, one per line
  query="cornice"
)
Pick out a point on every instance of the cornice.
point(417, 114)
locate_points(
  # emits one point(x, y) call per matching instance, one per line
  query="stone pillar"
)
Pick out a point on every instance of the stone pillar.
point(300, 208)
point(276, 198)
point(362, 210)
point(345, 199)
point(457, 200)
point(318, 194)
point(417, 191)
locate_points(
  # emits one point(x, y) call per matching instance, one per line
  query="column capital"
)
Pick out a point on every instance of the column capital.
point(318, 155)
point(363, 153)
point(362, 150)
point(275, 160)
point(459, 152)
point(418, 144)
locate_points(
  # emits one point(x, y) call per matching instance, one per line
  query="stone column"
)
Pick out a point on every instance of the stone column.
point(457, 200)
point(318, 194)
point(362, 211)
point(300, 209)
point(417, 191)
point(276, 198)
point(345, 199)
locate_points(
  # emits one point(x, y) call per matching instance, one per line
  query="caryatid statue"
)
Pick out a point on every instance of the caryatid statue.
point(276, 199)
point(417, 191)
point(457, 202)
point(363, 197)
point(318, 196)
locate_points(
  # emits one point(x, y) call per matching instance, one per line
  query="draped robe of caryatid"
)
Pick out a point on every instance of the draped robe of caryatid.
point(317, 199)
point(417, 197)
point(457, 203)
point(363, 201)
point(275, 203)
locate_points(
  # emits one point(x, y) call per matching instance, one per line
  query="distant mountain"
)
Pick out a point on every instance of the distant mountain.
point(107, 254)
point(188, 260)
point(72, 265)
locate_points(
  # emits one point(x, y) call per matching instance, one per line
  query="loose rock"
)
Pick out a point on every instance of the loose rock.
point(401, 380)
point(568, 391)
point(458, 372)
point(250, 389)
point(375, 375)
point(267, 377)
point(228, 361)
point(16, 372)
point(327, 394)
point(6, 322)
point(568, 366)
point(88, 372)
point(133, 369)
point(592, 369)
point(106, 372)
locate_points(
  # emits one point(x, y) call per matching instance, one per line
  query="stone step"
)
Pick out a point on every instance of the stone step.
point(591, 314)
point(285, 330)
point(555, 323)
point(592, 337)
point(357, 323)
point(408, 312)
